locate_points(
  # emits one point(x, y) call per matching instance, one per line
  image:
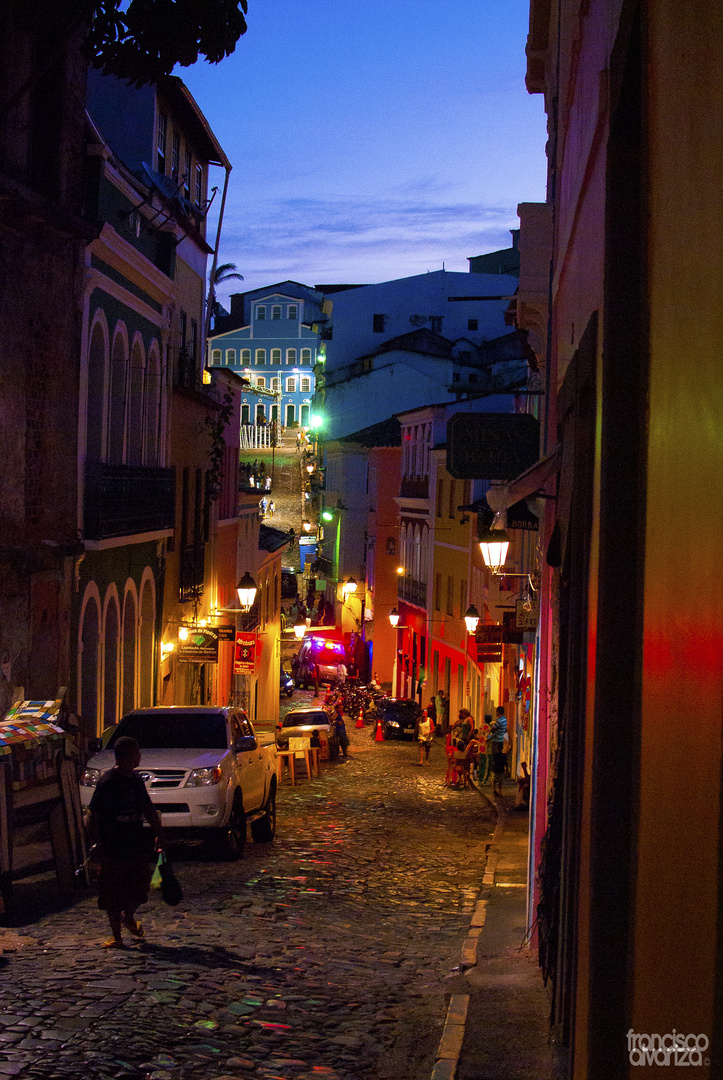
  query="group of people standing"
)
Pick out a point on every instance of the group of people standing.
point(469, 749)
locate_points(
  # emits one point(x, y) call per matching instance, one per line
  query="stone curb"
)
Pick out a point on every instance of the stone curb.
point(450, 1046)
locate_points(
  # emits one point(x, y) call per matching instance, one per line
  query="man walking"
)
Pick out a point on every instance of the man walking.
point(116, 815)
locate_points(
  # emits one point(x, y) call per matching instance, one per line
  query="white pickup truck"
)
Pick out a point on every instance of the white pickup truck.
point(206, 771)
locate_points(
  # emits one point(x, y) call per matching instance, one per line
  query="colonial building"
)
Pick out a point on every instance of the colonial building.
point(147, 505)
point(275, 347)
point(408, 341)
point(619, 265)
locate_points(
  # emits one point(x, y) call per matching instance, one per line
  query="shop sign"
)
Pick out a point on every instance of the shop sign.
point(244, 661)
point(491, 446)
point(488, 637)
point(520, 516)
point(526, 619)
point(200, 647)
point(511, 635)
point(226, 632)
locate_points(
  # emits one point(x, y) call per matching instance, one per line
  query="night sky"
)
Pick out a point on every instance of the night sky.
point(372, 140)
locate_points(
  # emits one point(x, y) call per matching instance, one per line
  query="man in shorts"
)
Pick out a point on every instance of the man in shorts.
point(116, 816)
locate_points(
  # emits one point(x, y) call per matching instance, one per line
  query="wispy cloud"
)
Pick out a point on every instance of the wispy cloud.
point(316, 239)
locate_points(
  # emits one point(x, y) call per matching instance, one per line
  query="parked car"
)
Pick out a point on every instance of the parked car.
point(299, 724)
point(326, 650)
point(399, 716)
point(286, 683)
point(206, 770)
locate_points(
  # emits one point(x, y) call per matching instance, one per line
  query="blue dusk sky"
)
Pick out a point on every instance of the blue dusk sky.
point(372, 140)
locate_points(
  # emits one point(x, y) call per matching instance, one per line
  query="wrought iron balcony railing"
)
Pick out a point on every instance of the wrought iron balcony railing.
point(123, 500)
point(415, 592)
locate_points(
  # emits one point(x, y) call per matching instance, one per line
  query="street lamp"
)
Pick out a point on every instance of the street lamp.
point(349, 587)
point(493, 545)
point(310, 468)
point(394, 617)
point(306, 525)
point(471, 618)
point(246, 590)
point(300, 628)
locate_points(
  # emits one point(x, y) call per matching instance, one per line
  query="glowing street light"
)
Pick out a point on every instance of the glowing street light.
point(471, 618)
point(394, 617)
point(493, 545)
point(246, 590)
point(300, 628)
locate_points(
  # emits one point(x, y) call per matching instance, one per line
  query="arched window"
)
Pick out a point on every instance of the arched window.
point(261, 381)
point(291, 357)
point(153, 407)
point(276, 357)
point(118, 397)
point(291, 384)
point(215, 356)
point(276, 311)
point(97, 417)
point(306, 386)
point(231, 357)
point(260, 357)
point(306, 356)
point(245, 357)
point(134, 450)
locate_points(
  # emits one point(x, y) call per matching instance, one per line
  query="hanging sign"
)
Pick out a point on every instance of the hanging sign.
point(200, 647)
point(526, 618)
point(491, 446)
point(244, 661)
point(488, 637)
point(226, 632)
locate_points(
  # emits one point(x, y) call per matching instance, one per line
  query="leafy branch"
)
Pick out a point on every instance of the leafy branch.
point(216, 425)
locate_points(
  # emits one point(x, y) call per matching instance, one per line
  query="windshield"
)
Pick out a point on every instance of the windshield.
point(313, 719)
point(174, 731)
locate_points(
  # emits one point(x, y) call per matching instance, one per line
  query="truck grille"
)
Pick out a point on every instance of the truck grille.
point(172, 807)
point(163, 778)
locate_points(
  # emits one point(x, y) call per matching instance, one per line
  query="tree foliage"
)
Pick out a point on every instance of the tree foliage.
point(145, 39)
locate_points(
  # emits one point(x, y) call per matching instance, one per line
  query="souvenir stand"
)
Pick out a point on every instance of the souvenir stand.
point(39, 782)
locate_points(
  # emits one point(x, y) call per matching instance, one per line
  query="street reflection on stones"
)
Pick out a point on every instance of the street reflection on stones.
point(324, 954)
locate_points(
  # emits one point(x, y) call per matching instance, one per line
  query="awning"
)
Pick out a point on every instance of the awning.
point(501, 496)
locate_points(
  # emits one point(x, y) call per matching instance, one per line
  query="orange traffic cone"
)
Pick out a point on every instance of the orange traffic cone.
point(360, 719)
point(379, 737)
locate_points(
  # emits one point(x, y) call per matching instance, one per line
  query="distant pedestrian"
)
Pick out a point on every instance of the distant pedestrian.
point(432, 714)
point(425, 732)
point(498, 732)
point(340, 728)
point(272, 508)
point(298, 442)
point(263, 503)
point(267, 483)
point(484, 761)
point(340, 674)
point(118, 810)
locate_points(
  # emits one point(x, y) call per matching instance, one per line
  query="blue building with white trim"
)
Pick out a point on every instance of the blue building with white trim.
point(275, 345)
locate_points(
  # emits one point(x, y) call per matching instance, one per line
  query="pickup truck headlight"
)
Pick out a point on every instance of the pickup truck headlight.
point(203, 777)
point(393, 723)
point(90, 777)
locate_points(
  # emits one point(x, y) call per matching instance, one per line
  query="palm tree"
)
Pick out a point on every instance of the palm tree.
point(223, 272)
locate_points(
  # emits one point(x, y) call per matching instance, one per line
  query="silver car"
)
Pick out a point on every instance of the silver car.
point(300, 723)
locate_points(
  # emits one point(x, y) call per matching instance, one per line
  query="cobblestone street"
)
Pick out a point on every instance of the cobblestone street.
point(325, 954)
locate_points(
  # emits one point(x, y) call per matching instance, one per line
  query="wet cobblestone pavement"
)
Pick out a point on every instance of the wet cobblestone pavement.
point(326, 954)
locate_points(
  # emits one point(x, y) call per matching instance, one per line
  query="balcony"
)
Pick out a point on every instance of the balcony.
point(124, 500)
point(414, 489)
point(415, 592)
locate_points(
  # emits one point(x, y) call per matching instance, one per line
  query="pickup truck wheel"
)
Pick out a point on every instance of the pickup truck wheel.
point(230, 842)
point(263, 829)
